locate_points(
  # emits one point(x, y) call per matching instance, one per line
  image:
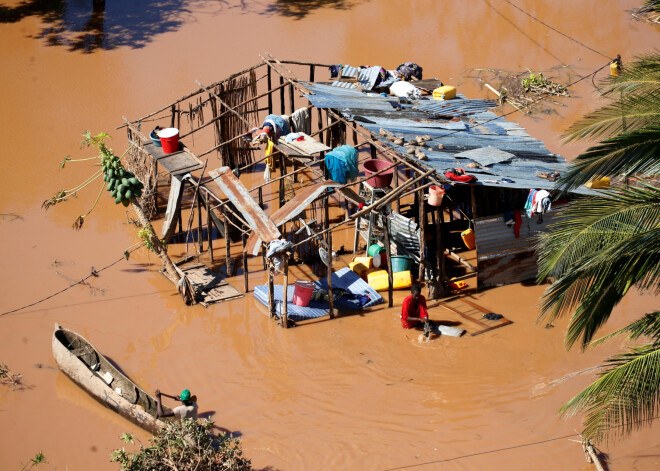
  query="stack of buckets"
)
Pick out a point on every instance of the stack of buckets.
point(374, 268)
point(169, 140)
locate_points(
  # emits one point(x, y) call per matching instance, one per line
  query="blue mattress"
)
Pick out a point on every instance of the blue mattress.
point(344, 279)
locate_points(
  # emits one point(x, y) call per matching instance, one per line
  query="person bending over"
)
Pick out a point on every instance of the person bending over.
point(188, 410)
point(413, 311)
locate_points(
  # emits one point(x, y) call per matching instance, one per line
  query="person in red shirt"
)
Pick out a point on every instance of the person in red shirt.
point(413, 311)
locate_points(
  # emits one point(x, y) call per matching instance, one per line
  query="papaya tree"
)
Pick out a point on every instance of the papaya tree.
point(124, 188)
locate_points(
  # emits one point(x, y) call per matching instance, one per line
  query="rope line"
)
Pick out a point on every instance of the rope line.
point(93, 274)
point(556, 30)
point(513, 447)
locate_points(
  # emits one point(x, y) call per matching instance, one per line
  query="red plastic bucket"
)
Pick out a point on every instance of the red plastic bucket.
point(302, 292)
point(169, 139)
point(382, 180)
point(435, 195)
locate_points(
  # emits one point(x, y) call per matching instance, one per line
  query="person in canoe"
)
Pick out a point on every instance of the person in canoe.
point(188, 410)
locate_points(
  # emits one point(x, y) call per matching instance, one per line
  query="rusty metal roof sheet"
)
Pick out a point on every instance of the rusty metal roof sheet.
point(503, 258)
point(290, 210)
point(250, 210)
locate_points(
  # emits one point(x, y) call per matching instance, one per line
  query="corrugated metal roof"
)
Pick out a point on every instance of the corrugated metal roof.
point(250, 210)
point(366, 77)
point(459, 106)
point(491, 135)
point(290, 210)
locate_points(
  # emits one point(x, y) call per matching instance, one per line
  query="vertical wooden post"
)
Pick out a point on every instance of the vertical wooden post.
point(322, 166)
point(372, 148)
point(311, 73)
point(200, 226)
point(329, 132)
point(271, 291)
point(355, 137)
point(270, 93)
point(292, 101)
point(245, 261)
point(440, 247)
point(261, 197)
point(181, 234)
point(209, 225)
point(283, 172)
point(388, 252)
point(227, 245)
point(395, 181)
point(473, 202)
point(326, 224)
point(283, 111)
point(320, 123)
point(285, 294)
point(173, 116)
point(422, 229)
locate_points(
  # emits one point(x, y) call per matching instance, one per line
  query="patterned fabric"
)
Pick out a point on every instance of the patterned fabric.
point(408, 70)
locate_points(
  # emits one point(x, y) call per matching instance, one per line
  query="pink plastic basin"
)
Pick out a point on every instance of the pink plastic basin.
point(382, 180)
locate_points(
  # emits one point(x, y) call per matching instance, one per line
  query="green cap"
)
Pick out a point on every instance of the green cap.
point(185, 395)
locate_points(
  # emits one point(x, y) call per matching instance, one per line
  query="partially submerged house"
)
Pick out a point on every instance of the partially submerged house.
point(222, 168)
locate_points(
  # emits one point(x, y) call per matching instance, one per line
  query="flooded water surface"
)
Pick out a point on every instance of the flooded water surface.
point(357, 392)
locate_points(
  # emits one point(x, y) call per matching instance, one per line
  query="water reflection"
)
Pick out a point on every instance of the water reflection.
point(299, 9)
point(86, 26)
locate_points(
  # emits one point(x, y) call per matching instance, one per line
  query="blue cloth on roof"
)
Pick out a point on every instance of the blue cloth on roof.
point(342, 163)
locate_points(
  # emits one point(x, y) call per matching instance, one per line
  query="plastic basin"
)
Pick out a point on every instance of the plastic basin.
point(375, 249)
point(401, 263)
point(154, 138)
point(382, 180)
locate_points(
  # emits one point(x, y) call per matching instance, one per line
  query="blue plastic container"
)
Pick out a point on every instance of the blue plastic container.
point(401, 263)
point(155, 139)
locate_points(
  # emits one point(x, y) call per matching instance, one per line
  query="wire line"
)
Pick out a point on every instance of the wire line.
point(556, 30)
point(94, 273)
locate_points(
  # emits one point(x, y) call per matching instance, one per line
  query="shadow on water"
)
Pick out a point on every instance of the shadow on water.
point(299, 9)
point(90, 25)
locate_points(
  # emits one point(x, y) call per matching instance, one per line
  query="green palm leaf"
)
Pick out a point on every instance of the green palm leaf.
point(629, 153)
point(647, 326)
point(627, 113)
point(598, 249)
point(624, 398)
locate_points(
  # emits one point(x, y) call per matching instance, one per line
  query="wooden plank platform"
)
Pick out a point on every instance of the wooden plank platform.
point(474, 314)
point(177, 163)
point(211, 287)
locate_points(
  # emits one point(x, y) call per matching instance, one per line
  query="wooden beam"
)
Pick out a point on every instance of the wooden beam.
point(209, 226)
point(285, 295)
point(422, 230)
point(390, 275)
point(245, 263)
point(326, 224)
point(270, 92)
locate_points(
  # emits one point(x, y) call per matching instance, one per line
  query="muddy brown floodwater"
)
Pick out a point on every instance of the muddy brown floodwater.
point(354, 393)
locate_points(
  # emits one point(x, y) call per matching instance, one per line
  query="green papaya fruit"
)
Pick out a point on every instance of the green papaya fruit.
point(125, 202)
point(129, 194)
point(118, 199)
point(109, 187)
point(124, 181)
point(133, 181)
point(113, 193)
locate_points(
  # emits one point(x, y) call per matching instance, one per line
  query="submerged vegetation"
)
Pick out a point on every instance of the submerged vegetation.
point(184, 446)
point(523, 89)
point(9, 378)
point(605, 246)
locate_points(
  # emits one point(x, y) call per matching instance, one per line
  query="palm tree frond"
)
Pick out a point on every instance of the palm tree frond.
point(625, 397)
point(648, 326)
point(634, 152)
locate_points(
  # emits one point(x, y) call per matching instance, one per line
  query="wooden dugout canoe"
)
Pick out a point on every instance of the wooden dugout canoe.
point(80, 361)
